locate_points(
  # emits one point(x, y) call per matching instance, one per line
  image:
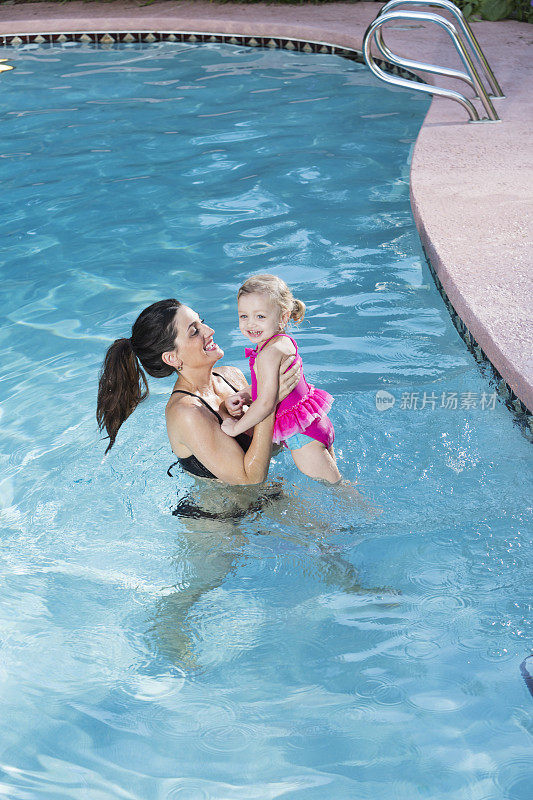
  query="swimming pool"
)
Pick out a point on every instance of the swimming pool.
point(301, 651)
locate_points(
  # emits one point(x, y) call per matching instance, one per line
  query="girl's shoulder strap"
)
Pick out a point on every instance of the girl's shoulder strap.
point(281, 333)
point(292, 340)
point(296, 355)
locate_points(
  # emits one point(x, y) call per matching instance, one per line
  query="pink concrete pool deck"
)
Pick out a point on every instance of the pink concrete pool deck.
point(471, 184)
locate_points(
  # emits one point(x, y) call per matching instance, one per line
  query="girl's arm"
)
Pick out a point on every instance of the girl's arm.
point(267, 398)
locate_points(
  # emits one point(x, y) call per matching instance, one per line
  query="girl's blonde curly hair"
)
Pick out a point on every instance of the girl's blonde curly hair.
point(278, 291)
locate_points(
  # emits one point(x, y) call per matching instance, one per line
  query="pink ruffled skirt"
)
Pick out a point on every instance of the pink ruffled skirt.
point(307, 416)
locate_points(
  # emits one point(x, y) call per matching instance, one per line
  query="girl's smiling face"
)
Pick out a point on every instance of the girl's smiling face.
point(259, 317)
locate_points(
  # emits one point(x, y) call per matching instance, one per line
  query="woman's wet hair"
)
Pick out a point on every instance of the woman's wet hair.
point(122, 384)
point(278, 291)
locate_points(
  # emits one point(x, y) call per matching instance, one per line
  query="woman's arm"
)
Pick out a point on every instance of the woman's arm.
point(198, 430)
point(267, 397)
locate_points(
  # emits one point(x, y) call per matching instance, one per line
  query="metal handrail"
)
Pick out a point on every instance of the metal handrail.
point(474, 79)
point(465, 27)
point(400, 61)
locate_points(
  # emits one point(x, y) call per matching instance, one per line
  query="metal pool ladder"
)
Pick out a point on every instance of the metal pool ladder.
point(386, 14)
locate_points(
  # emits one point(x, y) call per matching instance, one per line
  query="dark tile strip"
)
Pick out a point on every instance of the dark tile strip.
point(522, 415)
point(102, 39)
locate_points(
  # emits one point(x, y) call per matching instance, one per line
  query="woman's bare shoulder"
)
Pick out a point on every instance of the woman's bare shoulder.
point(233, 375)
point(186, 416)
point(182, 406)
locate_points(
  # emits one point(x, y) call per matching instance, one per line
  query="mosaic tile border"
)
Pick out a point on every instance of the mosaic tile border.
point(522, 415)
point(105, 39)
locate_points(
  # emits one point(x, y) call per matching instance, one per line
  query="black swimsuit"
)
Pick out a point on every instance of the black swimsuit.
point(191, 463)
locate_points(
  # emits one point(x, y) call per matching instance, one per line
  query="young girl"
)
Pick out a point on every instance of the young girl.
point(265, 306)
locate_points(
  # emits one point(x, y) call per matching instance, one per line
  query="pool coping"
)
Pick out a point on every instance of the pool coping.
point(487, 319)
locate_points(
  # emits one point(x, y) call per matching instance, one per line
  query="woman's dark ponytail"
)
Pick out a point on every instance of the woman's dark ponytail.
point(123, 385)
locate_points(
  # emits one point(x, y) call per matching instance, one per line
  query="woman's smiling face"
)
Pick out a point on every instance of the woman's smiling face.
point(194, 344)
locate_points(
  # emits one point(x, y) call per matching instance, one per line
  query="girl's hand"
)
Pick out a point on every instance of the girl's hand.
point(228, 427)
point(288, 380)
point(235, 402)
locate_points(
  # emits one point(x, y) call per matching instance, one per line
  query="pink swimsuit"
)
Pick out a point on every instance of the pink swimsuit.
point(303, 411)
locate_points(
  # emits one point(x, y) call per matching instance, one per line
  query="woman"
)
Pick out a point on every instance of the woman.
point(168, 337)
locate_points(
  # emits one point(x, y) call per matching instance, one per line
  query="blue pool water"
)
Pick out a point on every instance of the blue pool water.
point(303, 651)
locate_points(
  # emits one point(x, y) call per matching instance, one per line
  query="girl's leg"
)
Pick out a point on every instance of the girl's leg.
point(316, 462)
